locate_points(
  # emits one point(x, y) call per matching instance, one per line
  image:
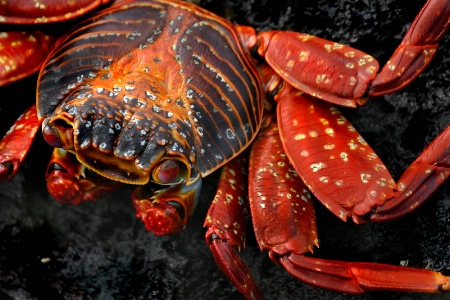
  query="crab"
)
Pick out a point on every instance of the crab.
point(141, 115)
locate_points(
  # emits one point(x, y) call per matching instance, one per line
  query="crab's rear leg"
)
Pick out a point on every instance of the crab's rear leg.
point(420, 180)
point(282, 208)
point(227, 226)
point(360, 277)
point(343, 75)
point(416, 50)
point(343, 171)
point(17, 142)
point(294, 234)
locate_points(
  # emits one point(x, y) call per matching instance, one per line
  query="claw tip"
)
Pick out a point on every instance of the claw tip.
point(160, 219)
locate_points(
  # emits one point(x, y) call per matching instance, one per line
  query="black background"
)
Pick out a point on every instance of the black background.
point(99, 250)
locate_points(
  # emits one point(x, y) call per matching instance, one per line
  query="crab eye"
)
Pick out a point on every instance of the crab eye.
point(59, 134)
point(167, 172)
point(51, 136)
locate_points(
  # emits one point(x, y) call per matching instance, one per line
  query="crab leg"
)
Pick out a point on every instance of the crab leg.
point(334, 161)
point(416, 50)
point(45, 11)
point(293, 235)
point(17, 142)
point(359, 277)
point(341, 169)
point(22, 54)
point(227, 225)
point(343, 75)
point(326, 70)
point(276, 191)
point(420, 180)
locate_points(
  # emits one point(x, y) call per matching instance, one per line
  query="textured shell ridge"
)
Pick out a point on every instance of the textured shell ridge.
point(176, 84)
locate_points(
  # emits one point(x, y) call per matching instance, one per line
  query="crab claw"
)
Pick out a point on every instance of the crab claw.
point(7, 169)
point(63, 186)
point(166, 211)
point(69, 182)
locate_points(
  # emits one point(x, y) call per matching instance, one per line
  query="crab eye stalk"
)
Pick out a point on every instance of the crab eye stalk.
point(169, 172)
point(58, 134)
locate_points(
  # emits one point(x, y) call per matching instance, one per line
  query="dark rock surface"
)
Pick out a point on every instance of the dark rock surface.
point(99, 250)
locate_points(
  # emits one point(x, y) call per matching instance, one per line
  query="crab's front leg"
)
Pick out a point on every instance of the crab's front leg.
point(346, 76)
point(68, 181)
point(17, 142)
point(293, 235)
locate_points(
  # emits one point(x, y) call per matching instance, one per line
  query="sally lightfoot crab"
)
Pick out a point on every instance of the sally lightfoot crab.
point(165, 92)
